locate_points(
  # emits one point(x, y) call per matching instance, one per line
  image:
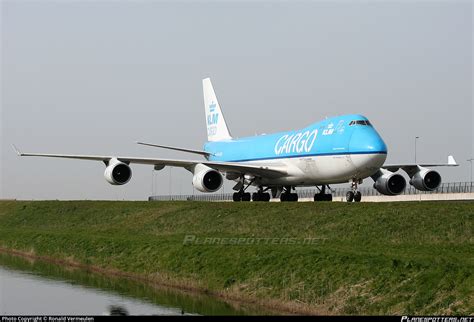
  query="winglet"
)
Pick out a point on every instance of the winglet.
point(451, 160)
point(16, 150)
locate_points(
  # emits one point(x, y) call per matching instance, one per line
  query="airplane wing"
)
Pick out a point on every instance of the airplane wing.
point(410, 167)
point(204, 153)
point(258, 170)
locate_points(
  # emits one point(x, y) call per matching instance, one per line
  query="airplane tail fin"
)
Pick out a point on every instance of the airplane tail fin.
point(216, 126)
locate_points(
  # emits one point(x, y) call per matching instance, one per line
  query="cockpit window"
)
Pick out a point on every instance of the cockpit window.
point(360, 122)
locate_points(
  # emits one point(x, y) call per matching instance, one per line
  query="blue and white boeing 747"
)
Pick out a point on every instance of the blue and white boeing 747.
point(342, 149)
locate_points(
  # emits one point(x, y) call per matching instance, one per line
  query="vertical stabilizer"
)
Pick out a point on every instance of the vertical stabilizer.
point(216, 126)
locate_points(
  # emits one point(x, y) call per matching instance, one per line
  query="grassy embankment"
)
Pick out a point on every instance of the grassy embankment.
point(390, 258)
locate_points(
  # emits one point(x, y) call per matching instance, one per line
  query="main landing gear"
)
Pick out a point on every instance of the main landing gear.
point(354, 194)
point(241, 196)
point(322, 195)
point(260, 195)
point(287, 195)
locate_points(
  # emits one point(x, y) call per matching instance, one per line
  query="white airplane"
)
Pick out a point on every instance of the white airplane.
point(337, 150)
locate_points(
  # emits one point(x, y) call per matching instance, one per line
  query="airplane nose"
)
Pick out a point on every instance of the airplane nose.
point(366, 140)
point(368, 150)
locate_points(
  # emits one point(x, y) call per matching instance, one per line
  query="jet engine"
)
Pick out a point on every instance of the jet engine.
point(426, 179)
point(117, 172)
point(388, 183)
point(206, 179)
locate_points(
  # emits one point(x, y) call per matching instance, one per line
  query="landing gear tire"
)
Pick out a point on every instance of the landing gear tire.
point(241, 196)
point(246, 196)
point(322, 197)
point(255, 196)
point(350, 196)
point(354, 194)
point(237, 197)
point(288, 197)
point(260, 196)
point(357, 196)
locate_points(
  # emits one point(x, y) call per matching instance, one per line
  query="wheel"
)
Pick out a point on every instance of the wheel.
point(289, 196)
point(265, 196)
point(246, 196)
point(350, 196)
point(323, 197)
point(256, 196)
point(292, 197)
point(357, 196)
point(237, 196)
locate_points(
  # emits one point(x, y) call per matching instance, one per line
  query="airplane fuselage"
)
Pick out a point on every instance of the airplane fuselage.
point(335, 150)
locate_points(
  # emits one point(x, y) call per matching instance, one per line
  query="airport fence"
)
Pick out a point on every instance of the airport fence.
point(444, 188)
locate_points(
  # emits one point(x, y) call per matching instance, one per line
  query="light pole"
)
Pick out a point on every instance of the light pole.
point(416, 138)
point(470, 160)
point(169, 188)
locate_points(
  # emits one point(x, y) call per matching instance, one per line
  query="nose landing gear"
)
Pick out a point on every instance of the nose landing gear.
point(354, 194)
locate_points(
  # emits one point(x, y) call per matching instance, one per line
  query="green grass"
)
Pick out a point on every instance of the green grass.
point(367, 258)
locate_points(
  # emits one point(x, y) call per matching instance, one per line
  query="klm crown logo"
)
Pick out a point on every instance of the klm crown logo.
point(212, 107)
point(212, 118)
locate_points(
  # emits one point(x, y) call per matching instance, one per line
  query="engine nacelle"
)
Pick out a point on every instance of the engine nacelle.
point(206, 179)
point(117, 172)
point(426, 180)
point(388, 183)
